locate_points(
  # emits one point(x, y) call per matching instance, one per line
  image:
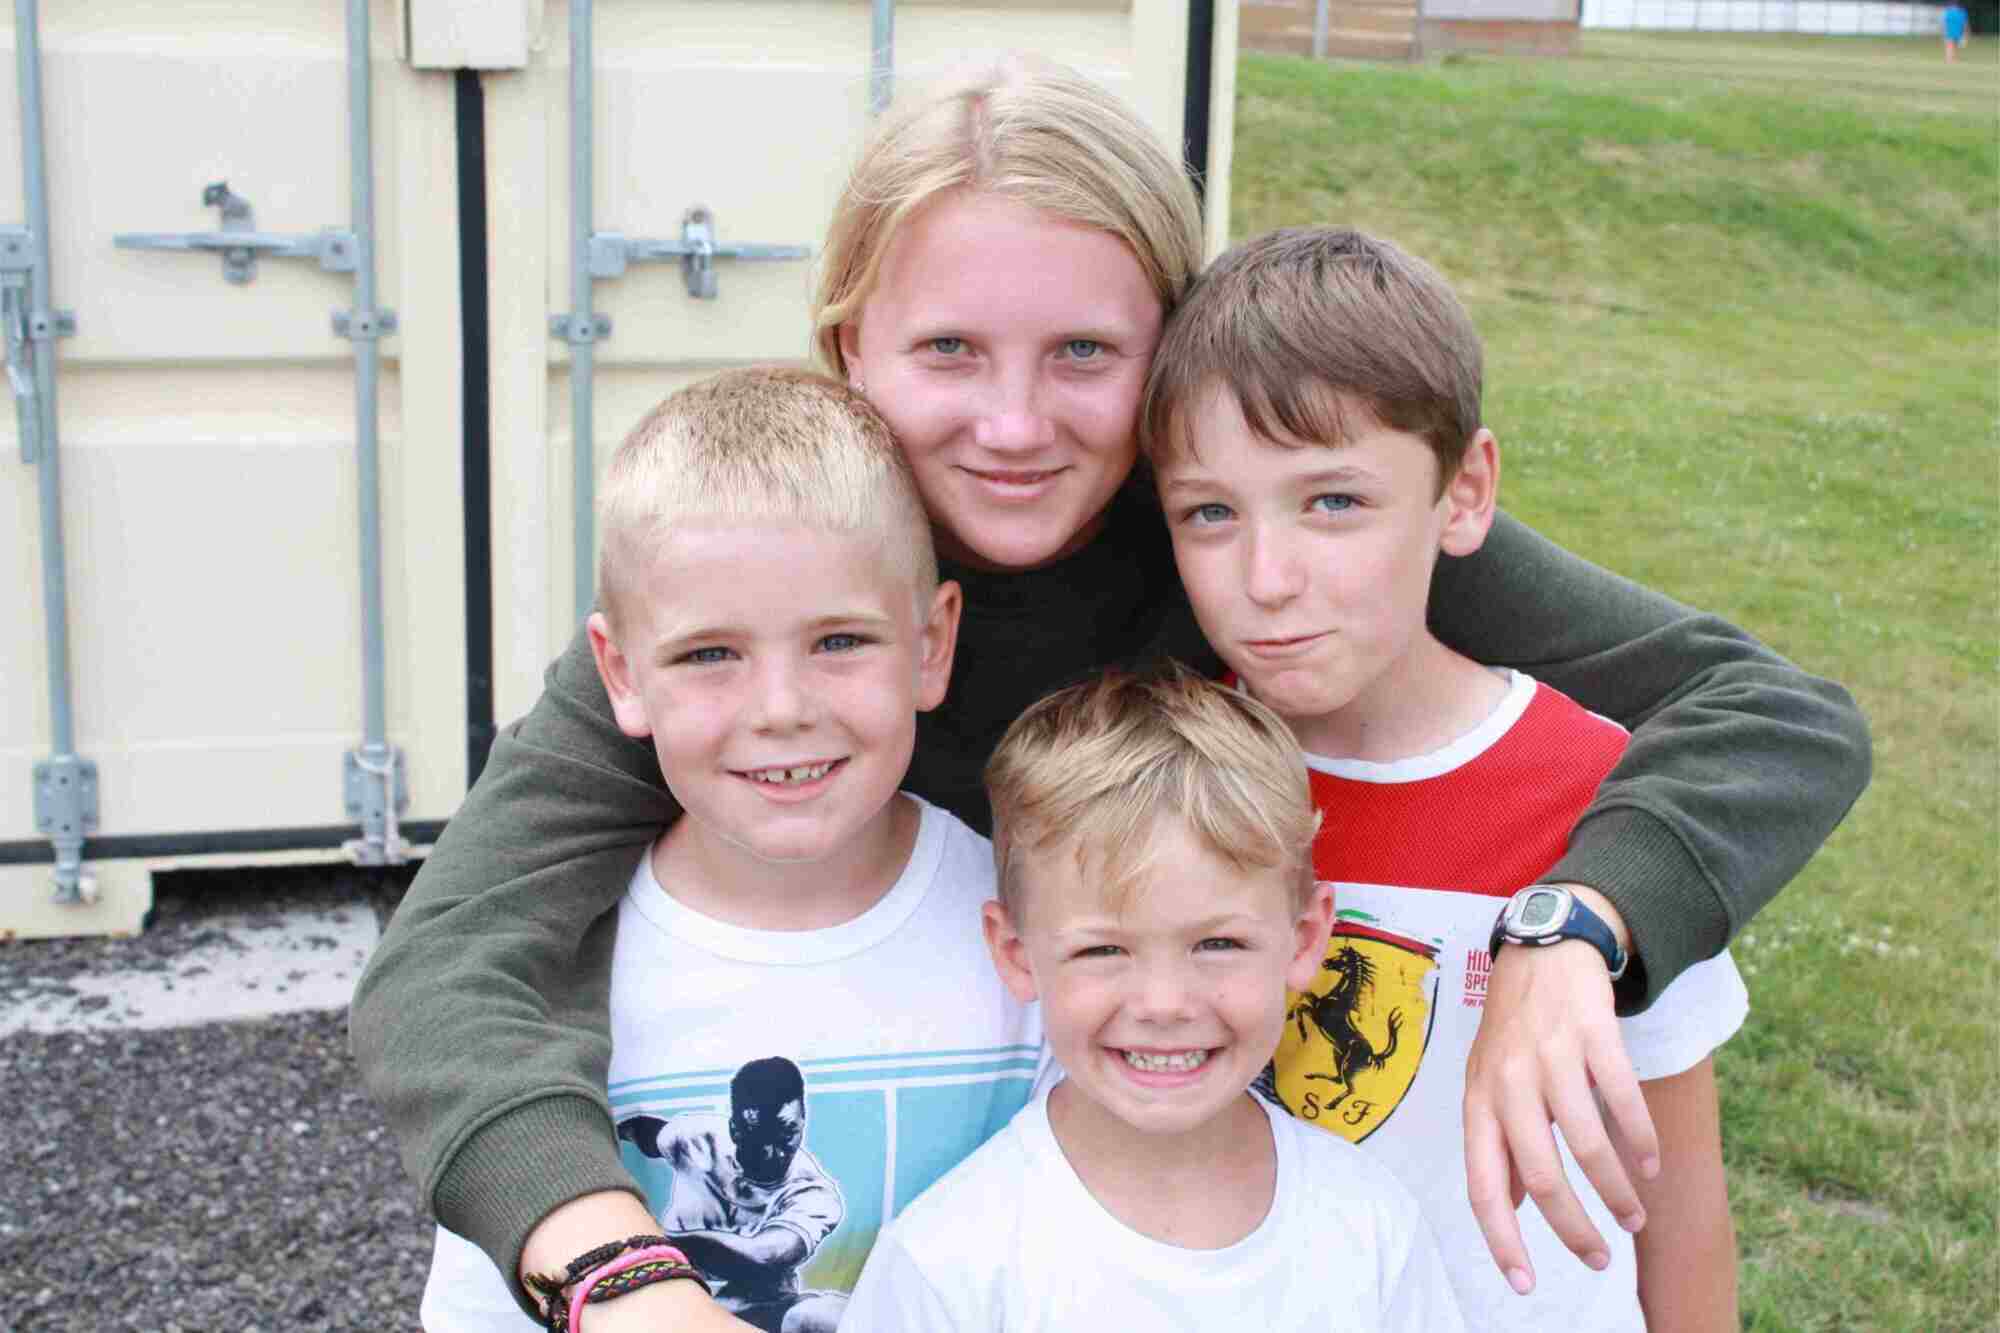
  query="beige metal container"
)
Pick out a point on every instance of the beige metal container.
point(208, 428)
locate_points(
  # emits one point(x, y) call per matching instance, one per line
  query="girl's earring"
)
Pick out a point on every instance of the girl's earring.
point(859, 386)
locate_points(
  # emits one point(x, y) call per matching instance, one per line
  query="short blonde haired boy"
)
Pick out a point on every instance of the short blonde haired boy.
point(1096, 767)
point(1151, 832)
point(767, 445)
point(775, 623)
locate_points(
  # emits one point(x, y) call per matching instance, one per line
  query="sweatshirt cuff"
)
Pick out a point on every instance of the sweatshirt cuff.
point(522, 1166)
point(1675, 916)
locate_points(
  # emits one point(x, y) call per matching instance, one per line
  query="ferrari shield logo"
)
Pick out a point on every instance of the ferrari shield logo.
point(1352, 1043)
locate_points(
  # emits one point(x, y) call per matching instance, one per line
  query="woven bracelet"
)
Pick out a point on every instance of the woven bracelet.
point(554, 1289)
point(627, 1273)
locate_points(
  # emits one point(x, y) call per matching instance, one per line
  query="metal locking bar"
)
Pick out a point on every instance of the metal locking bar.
point(882, 56)
point(593, 255)
point(697, 249)
point(65, 784)
point(239, 242)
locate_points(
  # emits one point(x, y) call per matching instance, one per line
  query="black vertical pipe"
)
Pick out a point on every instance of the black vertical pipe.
point(475, 333)
point(1200, 79)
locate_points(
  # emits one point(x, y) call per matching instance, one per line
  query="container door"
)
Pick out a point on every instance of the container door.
point(208, 432)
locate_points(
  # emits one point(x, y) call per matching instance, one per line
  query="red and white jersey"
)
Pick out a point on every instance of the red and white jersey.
point(1423, 853)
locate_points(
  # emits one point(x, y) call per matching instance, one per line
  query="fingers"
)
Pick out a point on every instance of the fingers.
point(1495, 1193)
point(1548, 1048)
point(1625, 1104)
point(1526, 1107)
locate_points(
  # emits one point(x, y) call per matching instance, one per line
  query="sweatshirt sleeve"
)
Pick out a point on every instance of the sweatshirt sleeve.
point(480, 1025)
point(1740, 763)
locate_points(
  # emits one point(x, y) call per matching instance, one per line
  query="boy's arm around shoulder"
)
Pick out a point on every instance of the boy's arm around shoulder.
point(1740, 763)
point(480, 1025)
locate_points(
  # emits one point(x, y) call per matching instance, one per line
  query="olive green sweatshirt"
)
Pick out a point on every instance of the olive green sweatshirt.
point(480, 1025)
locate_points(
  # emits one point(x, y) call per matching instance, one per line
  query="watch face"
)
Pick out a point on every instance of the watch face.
point(1539, 911)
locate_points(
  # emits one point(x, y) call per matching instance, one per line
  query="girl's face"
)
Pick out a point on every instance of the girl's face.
point(1008, 350)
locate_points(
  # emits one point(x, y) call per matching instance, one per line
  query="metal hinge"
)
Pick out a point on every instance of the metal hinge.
point(65, 814)
point(375, 782)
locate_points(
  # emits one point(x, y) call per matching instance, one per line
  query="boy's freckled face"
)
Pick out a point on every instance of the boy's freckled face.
point(1309, 567)
point(1162, 1005)
point(778, 670)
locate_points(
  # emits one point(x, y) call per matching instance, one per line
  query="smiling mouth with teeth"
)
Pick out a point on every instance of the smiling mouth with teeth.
point(791, 777)
point(1180, 1062)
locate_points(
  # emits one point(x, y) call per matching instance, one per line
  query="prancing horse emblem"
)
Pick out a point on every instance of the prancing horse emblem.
point(1333, 1014)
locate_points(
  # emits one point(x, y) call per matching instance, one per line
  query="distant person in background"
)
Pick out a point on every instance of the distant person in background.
point(1955, 24)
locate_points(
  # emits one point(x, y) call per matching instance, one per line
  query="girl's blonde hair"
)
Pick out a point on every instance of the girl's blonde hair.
point(1029, 131)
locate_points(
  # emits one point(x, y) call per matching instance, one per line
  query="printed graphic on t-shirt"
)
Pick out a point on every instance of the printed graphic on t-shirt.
point(1356, 1038)
point(776, 1176)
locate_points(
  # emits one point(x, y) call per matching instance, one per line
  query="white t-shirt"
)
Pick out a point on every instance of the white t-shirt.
point(1423, 853)
point(1012, 1240)
point(910, 1051)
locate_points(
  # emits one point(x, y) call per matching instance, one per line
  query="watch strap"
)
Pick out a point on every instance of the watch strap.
point(1581, 923)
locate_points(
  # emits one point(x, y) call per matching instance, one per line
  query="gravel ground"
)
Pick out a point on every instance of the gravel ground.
point(231, 1176)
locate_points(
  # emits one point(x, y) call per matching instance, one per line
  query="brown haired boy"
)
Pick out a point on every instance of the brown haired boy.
point(1314, 424)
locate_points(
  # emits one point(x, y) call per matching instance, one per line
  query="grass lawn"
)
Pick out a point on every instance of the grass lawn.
point(1741, 297)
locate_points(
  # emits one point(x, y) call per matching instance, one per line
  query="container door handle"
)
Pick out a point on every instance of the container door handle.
point(239, 242)
point(696, 248)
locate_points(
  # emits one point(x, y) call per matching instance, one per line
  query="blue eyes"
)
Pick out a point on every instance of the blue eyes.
point(830, 643)
point(1213, 512)
point(1213, 944)
point(1076, 349)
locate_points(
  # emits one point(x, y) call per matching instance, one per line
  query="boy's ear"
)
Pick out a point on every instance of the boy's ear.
point(1309, 936)
point(940, 645)
point(615, 670)
point(1010, 952)
point(1473, 494)
point(849, 337)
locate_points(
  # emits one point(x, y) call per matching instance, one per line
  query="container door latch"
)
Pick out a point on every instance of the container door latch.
point(239, 242)
point(697, 249)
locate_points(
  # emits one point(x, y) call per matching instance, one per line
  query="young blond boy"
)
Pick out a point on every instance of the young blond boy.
point(804, 1031)
point(1314, 426)
point(1152, 834)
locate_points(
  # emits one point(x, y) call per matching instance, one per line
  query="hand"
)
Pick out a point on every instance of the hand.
point(594, 1219)
point(1548, 1034)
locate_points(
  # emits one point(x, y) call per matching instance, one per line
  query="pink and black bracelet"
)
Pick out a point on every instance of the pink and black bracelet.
point(605, 1273)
